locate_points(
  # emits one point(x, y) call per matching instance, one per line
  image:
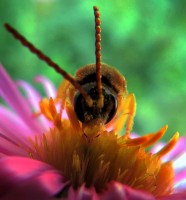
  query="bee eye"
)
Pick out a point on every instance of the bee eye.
point(86, 114)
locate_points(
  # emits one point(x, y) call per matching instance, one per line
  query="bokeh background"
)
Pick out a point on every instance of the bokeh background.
point(144, 40)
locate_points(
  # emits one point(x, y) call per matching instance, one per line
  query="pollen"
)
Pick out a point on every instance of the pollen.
point(109, 157)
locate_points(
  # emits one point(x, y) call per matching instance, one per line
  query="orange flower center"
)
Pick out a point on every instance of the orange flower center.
point(107, 158)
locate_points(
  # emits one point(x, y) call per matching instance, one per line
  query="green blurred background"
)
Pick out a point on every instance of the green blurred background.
point(145, 40)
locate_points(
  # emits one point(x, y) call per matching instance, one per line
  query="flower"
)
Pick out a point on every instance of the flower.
point(45, 155)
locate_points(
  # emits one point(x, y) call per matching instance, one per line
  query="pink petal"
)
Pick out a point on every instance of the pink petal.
point(48, 86)
point(28, 179)
point(119, 191)
point(14, 134)
point(178, 196)
point(33, 99)
point(82, 193)
point(180, 186)
point(12, 96)
point(177, 150)
point(180, 176)
point(7, 147)
point(179, 163)
point(13, 127)
point(33, 96)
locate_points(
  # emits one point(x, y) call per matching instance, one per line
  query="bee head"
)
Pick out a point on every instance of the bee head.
point(113, 83)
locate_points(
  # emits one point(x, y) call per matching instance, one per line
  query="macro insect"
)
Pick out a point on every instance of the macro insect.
point(98, 92)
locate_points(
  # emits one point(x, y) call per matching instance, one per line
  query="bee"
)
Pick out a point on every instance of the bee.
point(97, 93)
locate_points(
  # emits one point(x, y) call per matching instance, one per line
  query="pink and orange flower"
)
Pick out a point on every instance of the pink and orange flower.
point(46, 156)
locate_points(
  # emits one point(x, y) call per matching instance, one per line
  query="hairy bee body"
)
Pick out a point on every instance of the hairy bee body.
point(114, 84)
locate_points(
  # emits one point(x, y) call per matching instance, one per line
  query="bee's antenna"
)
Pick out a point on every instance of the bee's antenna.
point(52, 64)
point(98, 55)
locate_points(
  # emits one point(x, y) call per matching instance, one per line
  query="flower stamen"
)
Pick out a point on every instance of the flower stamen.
point(52, 107)
point(169, 146)
point(136, 141)
point(152, 138)
point(44, 107)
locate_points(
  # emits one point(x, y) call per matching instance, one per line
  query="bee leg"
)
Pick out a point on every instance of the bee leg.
point(62, 94)
point(124, 116)
point(131, 114)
